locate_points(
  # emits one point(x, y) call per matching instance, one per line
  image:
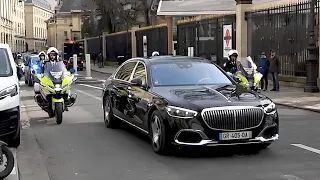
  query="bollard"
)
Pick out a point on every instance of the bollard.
point(88, 66)
point(75, 64)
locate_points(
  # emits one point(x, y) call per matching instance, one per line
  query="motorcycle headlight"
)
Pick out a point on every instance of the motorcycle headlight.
point(180, 112)
point(9, 91)
point(271, 108)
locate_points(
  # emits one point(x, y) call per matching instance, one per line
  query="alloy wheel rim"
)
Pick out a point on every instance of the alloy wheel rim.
point(106, 111)
point(4, 163)
point(156, 131)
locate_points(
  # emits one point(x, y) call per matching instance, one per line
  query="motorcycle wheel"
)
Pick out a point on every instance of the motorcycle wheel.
point(10, 162)
point(58, 112)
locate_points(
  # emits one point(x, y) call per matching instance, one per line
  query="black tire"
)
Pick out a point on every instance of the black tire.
point(163, 145)
point(16, 141)
point(58, 112)
point(110, 120)
point(10, 162)
point(30, 83)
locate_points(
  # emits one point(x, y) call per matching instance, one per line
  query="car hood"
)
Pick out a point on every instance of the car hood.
point(200, 97)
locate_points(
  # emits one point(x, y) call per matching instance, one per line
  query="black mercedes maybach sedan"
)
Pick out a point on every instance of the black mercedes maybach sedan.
point(187, 101)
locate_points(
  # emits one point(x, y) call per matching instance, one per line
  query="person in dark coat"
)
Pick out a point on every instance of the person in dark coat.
point(263, 68)
point(274, 69)
point(94, 58)
point(100, 60)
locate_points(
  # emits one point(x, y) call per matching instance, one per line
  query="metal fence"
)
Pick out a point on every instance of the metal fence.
point(285, 29)
point(118, 45)
point(94, 45)
point(157, 40)
point(206, 37)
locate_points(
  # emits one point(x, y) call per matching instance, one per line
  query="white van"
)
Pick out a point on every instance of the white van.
point(9, 98)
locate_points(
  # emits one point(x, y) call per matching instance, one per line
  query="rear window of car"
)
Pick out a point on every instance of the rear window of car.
point(5, 64)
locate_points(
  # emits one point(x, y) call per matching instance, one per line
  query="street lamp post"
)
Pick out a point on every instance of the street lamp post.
point(127, 8)
point(311, 62)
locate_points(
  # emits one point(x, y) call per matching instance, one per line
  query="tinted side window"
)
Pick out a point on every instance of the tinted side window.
point(125, 72)
point(141, 72)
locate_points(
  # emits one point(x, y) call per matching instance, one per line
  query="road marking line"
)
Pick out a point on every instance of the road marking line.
point(14, 171)
point(95, 87)
point(291, 177)
point(307, 148)
point(95, 97)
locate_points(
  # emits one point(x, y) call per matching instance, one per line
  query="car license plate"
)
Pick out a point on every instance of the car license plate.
point(235, 135)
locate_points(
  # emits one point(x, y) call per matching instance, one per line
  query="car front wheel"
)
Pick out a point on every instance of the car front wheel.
point(110, 120)
point(159, 134)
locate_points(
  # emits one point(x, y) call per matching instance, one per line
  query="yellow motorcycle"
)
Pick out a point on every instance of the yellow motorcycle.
point(52, 90)
point(247, 75)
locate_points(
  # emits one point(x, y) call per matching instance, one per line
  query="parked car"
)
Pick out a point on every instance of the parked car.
point(9, 98)
point(32, 67)
point(167, 98)
point(69, 64)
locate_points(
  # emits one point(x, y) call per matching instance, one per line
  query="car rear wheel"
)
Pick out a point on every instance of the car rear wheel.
point(110, 120)
point(158, 132)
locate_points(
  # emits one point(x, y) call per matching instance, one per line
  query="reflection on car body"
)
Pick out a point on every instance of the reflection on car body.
point(187, 101)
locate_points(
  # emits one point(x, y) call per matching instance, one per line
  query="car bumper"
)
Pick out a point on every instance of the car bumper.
point(9, 123)
point(194, 132)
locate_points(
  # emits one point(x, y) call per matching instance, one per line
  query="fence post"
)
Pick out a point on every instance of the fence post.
point(88, 67)
point(169, 21)
point(75, 64)
point(134, 41)
point(104, 45)
point(242, 27)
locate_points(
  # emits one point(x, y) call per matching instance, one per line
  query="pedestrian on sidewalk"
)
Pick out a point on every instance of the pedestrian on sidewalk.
point(263, 68)
point(100, 60)
point(274, 69)
point(94, 58)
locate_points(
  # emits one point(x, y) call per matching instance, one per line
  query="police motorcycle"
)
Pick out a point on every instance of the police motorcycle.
point(6, 160)
point(247, 74)
point(53, 89)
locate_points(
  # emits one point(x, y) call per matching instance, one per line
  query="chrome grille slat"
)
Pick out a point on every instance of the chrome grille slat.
point(232, 118)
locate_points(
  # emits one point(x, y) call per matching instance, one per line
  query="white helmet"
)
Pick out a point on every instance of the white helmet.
point(51, 50)
point(155, 53)
point(233, 51)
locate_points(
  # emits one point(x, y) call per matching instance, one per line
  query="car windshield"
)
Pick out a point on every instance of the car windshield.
point(34, 60)
point(187, 73)
point(5, 65)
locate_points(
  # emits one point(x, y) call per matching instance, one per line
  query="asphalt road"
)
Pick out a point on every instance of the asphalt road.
point(82, 148)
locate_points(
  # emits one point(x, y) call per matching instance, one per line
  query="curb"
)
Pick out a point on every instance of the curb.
point(102, 72)
point(31, 163)
point(298, 107)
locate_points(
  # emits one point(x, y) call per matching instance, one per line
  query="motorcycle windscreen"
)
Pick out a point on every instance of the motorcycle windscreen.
point(247, 70)
point(55, 71)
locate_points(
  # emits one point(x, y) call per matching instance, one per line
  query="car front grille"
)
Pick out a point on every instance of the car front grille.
point(232, 117)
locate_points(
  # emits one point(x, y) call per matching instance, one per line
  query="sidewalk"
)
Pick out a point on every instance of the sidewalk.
point(295, 97)
point(287, 96)
point(104, 70)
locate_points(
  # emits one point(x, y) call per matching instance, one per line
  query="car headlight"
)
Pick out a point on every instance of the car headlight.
point(271, 108)
point(180, 112)
point(9, 91)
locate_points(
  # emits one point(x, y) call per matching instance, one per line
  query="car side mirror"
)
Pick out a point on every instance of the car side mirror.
point(136, 82)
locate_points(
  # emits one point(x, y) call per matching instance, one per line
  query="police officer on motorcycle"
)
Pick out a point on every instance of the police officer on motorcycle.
point(231, 64)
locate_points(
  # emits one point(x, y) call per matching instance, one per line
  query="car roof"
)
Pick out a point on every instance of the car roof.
point(167, 58)
point(5, 46)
